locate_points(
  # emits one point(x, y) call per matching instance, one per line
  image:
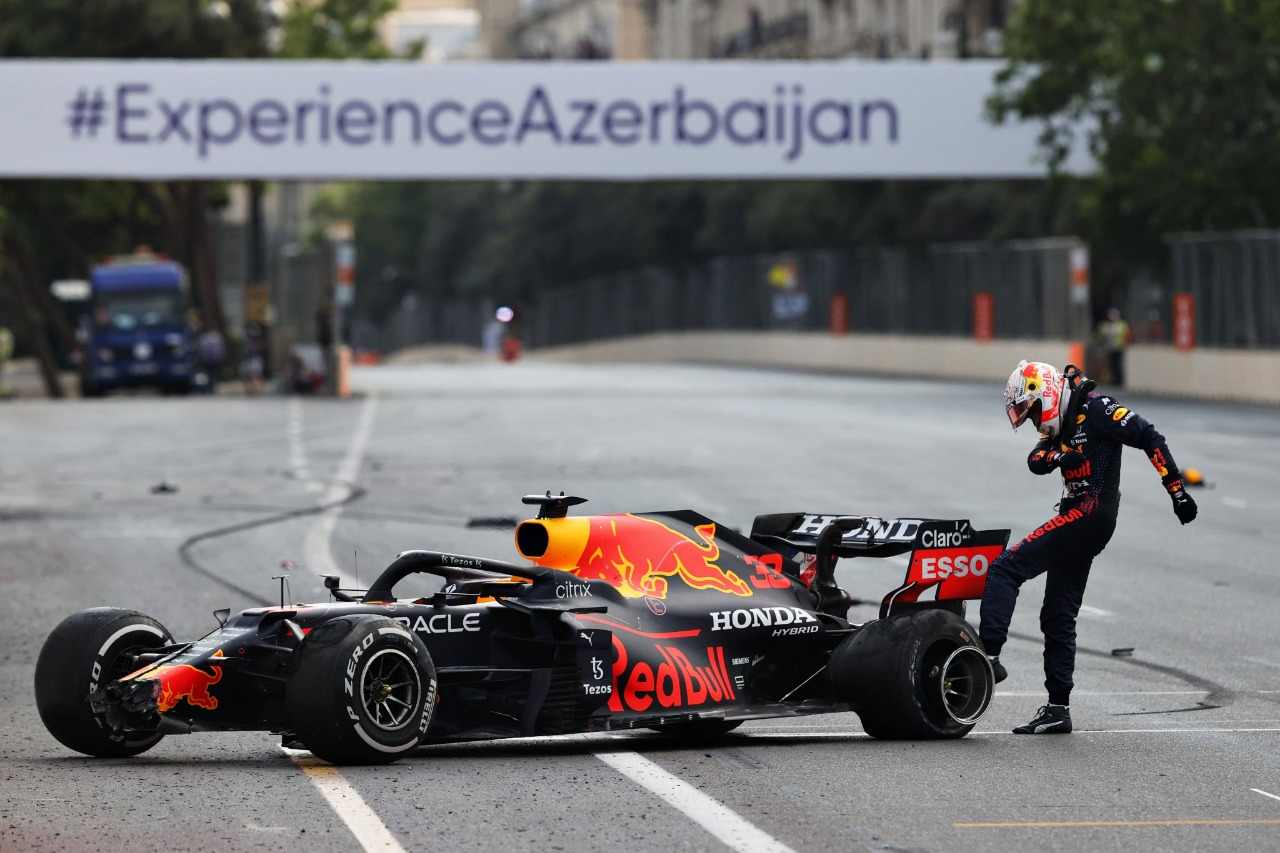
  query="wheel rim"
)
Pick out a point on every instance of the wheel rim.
point(389, 689)
point(964, 683)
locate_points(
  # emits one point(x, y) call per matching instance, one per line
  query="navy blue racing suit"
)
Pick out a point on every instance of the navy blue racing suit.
point(1087, 453)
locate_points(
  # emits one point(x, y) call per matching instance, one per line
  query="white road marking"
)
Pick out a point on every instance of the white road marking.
point(1263, 662)
point(369, 830)
point(730, 828)
point(1264, 793)
point(1236, 503)
point(838, 735)
point(1109, 692)
point(316, 549)
point(297, 449)
point(833, 731)
point(1094, 612)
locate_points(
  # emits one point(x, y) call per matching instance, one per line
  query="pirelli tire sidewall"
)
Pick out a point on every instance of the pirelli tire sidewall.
point(324, 698)
point(887, 670)
point(84, 653)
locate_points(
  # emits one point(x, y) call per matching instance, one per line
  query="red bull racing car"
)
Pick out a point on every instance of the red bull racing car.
point(661, 620)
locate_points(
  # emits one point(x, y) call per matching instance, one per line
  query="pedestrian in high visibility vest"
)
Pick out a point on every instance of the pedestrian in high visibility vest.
point(1115, 335)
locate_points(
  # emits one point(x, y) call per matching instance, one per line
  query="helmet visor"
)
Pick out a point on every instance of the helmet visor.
point(1019, 412)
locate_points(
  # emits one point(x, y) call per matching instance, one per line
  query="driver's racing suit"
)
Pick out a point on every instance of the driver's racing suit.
point(1087, 452)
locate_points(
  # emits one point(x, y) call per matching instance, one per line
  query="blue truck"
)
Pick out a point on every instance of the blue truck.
point(135, 332)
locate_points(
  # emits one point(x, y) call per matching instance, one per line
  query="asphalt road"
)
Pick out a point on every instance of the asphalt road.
point(1177, 747)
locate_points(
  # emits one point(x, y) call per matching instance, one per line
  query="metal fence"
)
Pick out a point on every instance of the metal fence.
point(1233, 277)
point(1234, 280)
point(928, 291)
point(420, 320)
point(302, 281)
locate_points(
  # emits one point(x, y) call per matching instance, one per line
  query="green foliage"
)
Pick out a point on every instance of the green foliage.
point(70, 224)
point(137, 29)
point(1181, 101)
point(508, 240)
point(61, 228)
point(335, 29)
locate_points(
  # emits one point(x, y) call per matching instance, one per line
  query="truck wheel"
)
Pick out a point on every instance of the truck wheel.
point(698, 731)
point(89, 649)
point(364, 691)
point(918, 675)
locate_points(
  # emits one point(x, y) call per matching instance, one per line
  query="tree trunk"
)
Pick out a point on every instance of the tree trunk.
point(187, 239)
point(30, 319)
point(203, 264)
point(31, 326)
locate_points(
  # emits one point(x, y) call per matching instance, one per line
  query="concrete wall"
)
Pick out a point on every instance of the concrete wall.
point(1245, 376)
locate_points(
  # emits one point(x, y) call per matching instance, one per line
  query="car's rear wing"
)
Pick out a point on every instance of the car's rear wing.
point(864, 536)
point(948, 556)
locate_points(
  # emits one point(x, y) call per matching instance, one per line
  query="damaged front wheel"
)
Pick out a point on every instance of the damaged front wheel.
point(87, 651)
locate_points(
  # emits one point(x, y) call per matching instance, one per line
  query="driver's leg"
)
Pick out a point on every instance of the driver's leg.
point(1063, 595)
point(1042, 550)
point(1076, 547)
point(1006, 576)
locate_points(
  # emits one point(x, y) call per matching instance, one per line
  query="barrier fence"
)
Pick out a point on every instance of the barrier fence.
point(939, 290)
point(1229, 285)
point(1222, 290)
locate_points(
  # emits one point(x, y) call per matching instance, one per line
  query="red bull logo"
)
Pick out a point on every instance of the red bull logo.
point(673, 681)
point(182, 681)
point(634, 554)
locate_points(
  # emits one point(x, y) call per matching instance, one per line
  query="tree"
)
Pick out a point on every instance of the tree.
point(1178, 100)
point(59, 228)
point(336, 29)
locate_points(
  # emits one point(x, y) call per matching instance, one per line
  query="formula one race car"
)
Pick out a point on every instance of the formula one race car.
point(663, 620)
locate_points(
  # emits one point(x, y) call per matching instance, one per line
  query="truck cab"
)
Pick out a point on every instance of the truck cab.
point(135, 331)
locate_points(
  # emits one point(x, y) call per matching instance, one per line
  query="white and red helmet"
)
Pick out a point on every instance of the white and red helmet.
point(1035, 391)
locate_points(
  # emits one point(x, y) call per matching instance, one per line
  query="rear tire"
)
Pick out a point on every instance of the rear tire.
point(920, 675)
point(364, 691)
point(87, 650)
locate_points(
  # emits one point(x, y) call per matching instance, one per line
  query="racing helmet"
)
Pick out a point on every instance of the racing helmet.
point(1035, 391)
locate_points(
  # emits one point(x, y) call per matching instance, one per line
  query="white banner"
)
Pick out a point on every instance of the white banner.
point(605, 120)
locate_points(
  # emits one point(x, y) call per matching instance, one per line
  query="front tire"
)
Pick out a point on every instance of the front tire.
point(920, 675)
point(364, 691)
point(86, 651)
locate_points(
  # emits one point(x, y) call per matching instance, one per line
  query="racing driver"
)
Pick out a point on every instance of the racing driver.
point(1081, 434)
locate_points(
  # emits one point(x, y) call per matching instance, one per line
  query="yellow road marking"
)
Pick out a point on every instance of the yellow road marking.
point(1103, 824)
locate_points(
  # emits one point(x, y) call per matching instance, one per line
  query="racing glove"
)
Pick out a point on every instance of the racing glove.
point(1184, 506)
point(1042, 460)
point(1068, 459)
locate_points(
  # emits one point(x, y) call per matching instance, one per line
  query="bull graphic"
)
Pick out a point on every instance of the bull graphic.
point(179, 681)
point(636, 555)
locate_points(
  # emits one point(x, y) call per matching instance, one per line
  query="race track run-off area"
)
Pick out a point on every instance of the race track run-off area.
point(1177, 745)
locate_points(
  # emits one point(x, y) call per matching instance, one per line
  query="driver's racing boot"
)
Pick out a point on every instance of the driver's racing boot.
point(997, 669)
point(1049, 720)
